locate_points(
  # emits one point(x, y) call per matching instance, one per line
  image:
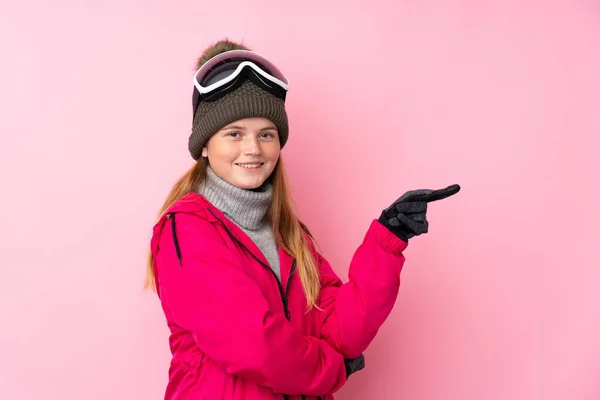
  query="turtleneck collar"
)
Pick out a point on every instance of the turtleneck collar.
point(247, 208)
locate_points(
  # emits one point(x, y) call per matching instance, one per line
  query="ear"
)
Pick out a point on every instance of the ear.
point(204, 151)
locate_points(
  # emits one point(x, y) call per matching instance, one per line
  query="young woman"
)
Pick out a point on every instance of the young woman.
point(255, 312)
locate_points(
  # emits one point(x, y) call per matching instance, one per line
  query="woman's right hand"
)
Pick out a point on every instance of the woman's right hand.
point(354, 364)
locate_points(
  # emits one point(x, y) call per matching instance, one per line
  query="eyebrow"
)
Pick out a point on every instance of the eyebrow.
point(241, 128)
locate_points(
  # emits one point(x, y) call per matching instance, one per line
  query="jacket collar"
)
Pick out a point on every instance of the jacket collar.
point(197, 204)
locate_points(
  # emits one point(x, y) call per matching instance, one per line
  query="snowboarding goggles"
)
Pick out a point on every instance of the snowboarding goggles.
point(227, 71)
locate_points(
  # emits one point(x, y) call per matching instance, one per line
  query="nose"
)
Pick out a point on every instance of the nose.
point(251, 146)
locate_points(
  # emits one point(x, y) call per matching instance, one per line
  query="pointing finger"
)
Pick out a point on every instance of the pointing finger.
point(441, 194)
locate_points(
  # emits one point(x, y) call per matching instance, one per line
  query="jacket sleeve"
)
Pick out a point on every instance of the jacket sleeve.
point(353, 312)
point(210, 295)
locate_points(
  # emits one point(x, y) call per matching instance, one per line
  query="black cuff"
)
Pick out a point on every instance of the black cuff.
point(400, 231)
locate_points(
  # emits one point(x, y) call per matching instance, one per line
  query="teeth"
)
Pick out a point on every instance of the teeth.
point(249, 165)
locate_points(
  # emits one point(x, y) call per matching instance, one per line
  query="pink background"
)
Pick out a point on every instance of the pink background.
point(501, 300)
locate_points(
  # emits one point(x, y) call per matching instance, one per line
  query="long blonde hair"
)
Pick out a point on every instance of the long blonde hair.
point(289, 231)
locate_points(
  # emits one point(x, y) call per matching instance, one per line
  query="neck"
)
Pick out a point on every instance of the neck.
point(247, 208)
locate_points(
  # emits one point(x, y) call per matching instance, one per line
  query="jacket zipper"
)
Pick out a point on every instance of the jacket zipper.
point(171, 216)
point(282, 293)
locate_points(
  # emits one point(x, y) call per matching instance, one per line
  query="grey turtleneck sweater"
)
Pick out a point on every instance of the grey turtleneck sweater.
point(247, 209)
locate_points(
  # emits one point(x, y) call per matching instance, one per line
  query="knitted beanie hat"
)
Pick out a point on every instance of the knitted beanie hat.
point(247, 101)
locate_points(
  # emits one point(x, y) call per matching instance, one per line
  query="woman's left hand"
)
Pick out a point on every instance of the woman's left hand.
point(406, 217)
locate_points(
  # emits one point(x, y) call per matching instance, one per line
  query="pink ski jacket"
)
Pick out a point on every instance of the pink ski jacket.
point(238, 332)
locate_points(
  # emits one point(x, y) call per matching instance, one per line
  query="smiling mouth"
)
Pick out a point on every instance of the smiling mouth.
point(250, 165)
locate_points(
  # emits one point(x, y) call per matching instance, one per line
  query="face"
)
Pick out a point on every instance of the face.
point(245, 152)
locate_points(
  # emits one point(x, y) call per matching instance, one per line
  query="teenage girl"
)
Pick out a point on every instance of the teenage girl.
point(254, 310)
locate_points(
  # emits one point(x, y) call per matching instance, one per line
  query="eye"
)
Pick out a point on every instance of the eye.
point(233, 134)
point(267, 135)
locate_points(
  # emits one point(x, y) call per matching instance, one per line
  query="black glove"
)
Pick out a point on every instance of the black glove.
point(407, 216)
point(354, 364)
